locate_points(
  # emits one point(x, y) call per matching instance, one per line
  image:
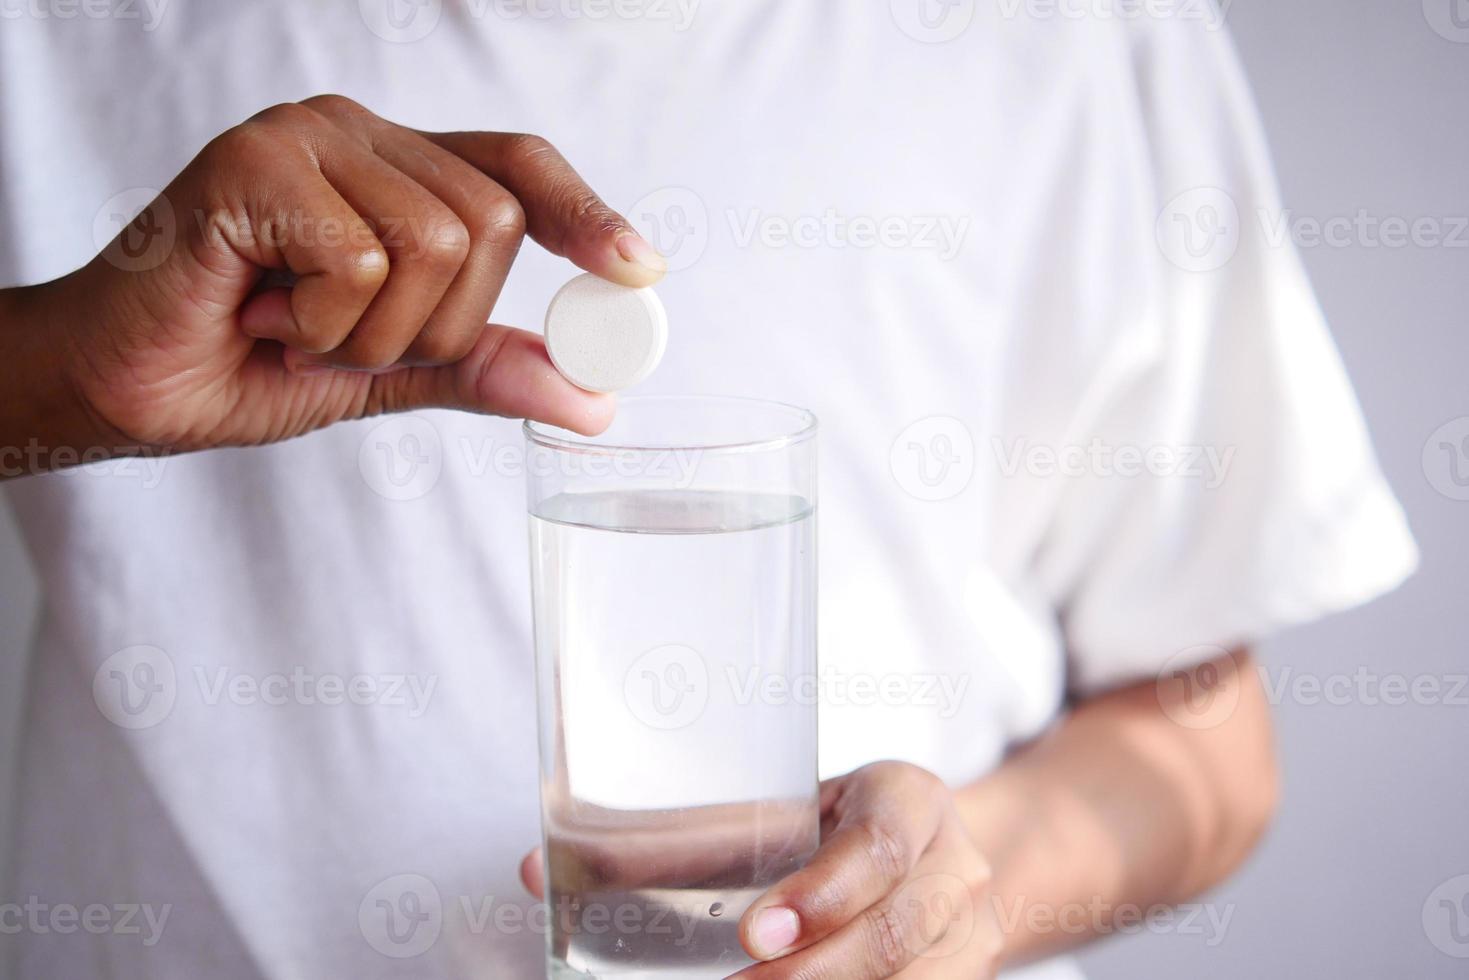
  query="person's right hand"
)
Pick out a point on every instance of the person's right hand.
point(327, 265)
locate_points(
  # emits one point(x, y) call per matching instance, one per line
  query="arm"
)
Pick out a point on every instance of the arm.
point(1131, 800)
point(40, 411)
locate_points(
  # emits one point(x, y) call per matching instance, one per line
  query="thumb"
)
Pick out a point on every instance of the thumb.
point(508, 372)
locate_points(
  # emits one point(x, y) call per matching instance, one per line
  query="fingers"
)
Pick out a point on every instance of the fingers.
point(506, 372)
point(254, 186)
point(881, 821)
point(372, 251)
point(561, 211)
point(490, 215)
point(426, 244)
point(393, 248)
point(934, 924)
point(450, 213)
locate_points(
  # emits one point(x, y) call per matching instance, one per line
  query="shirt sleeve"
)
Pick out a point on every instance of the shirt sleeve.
point(1230, 487)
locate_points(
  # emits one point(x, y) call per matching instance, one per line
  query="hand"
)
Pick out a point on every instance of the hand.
point(897, 889)
point(327, 264)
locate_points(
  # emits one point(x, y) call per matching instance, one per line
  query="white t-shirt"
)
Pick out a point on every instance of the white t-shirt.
point(1081, 420)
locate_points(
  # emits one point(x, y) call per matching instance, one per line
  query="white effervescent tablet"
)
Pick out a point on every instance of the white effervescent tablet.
point(605, 337)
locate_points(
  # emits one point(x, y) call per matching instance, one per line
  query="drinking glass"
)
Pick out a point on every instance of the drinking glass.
point(673, 563)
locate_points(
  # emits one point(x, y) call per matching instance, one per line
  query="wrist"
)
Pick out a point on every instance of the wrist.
point(999, 811)
point(45, 422)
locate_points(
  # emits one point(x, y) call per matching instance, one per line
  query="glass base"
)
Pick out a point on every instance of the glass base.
point(558, 970)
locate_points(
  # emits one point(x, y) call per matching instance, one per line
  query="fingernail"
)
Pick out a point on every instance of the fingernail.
point(634, 248)
point(775, 929)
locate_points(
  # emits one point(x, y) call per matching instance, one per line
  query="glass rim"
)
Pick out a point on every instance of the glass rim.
point(550, 437)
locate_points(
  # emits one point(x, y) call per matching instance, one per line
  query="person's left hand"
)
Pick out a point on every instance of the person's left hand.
point(897, 889)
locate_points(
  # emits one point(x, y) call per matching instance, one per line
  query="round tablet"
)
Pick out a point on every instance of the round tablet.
point(605, 337)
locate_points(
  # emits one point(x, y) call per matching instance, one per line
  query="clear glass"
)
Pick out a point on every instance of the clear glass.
point(673, 564)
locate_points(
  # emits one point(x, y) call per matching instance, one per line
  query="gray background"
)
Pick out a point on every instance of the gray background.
point(1367, 108)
